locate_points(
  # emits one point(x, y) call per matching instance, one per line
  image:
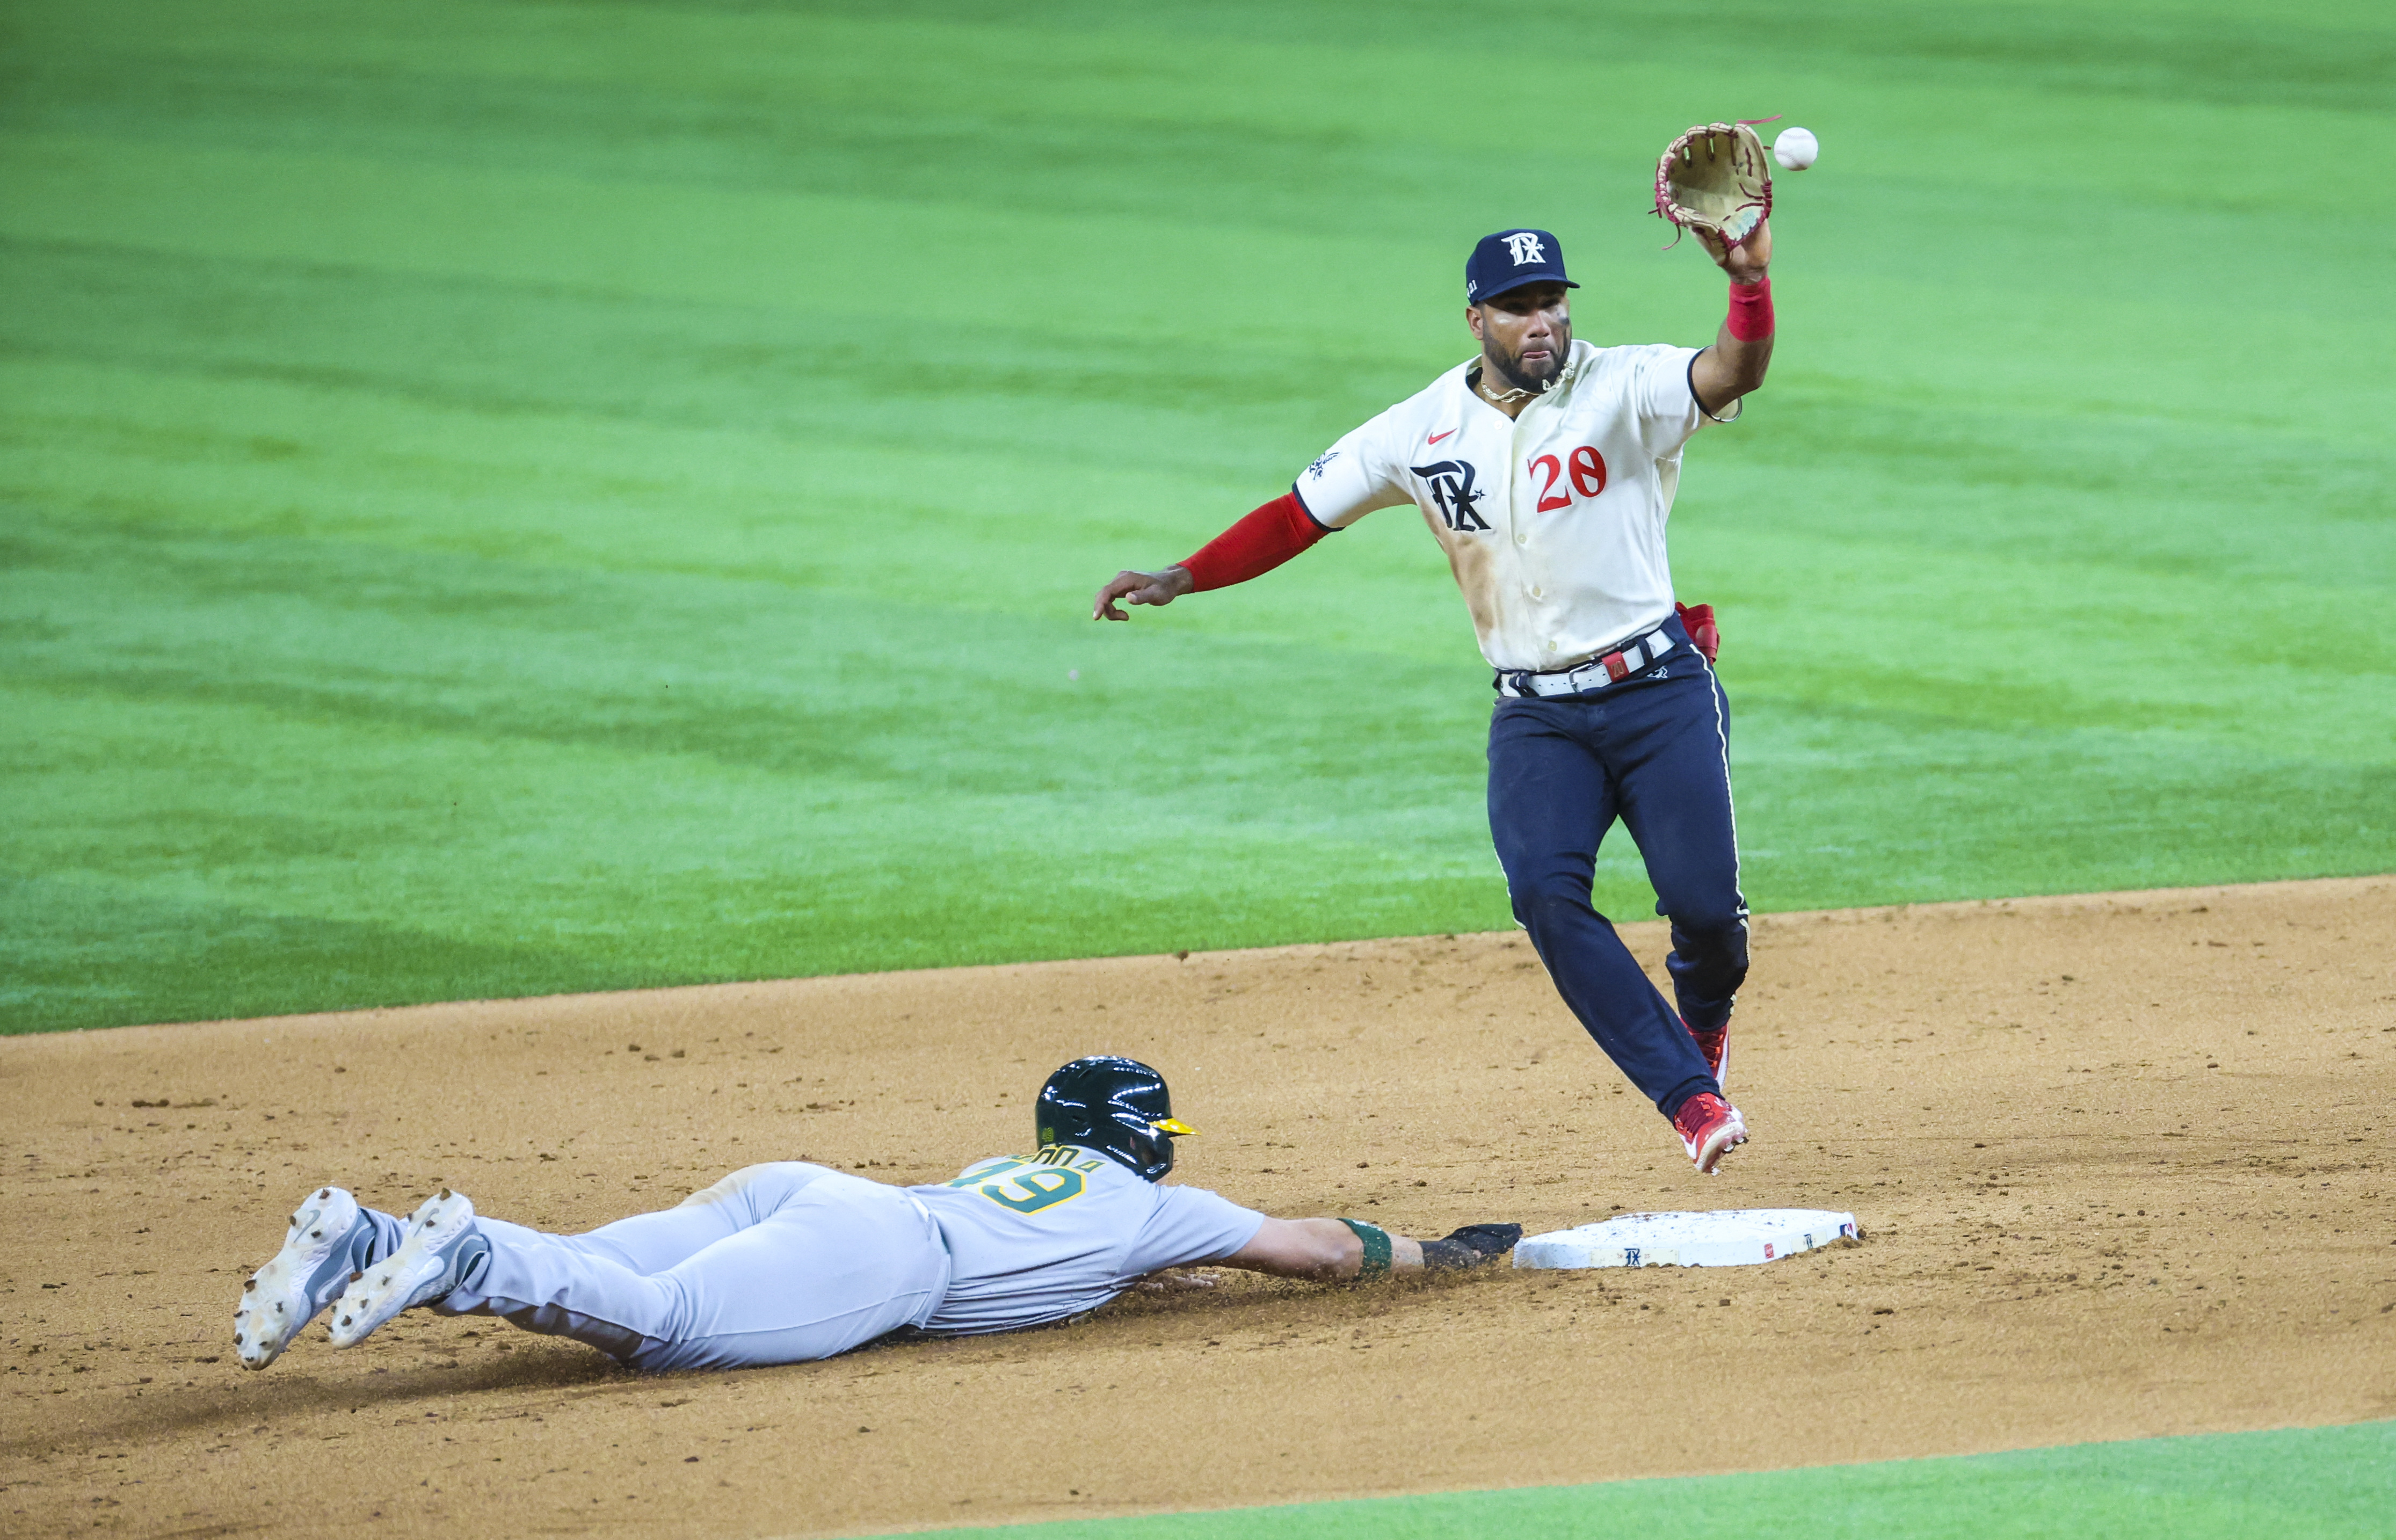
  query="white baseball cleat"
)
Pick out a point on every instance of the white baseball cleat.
point(442, 1245)
point(328, 1244)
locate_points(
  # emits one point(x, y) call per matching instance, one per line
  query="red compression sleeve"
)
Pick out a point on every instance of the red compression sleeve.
point(1259, 544)
point(1751, 311)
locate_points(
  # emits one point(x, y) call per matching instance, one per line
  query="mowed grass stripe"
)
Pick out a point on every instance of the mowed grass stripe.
point(2315, 1483)
point(510, 499)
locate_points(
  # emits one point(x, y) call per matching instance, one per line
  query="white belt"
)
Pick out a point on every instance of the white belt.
point(1595, 674)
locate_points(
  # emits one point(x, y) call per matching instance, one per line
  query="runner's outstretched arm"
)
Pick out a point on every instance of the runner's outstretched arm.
point(1340, 1250)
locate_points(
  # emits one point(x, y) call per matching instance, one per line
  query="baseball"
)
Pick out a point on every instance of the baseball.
point(1796, 148)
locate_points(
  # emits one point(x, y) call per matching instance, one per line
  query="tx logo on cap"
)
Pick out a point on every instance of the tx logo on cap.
point(1512, 259)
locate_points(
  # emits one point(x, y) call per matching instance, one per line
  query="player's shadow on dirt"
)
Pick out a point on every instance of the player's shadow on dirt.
point(1250, 1293)
point(273, 1400)
point(1241, 1302)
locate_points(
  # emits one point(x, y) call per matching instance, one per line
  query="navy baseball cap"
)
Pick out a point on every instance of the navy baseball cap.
point(1510, 258)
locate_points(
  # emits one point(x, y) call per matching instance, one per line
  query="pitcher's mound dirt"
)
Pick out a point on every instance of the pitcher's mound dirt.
point(2120, 1161)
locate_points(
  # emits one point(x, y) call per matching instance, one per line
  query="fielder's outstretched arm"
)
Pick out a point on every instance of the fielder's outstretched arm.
point(1334, 1251)
point(1742, 348)
point(1256, 545)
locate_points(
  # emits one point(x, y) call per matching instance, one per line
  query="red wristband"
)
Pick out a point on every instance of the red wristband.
point(1751, 311)
point(1259, 544)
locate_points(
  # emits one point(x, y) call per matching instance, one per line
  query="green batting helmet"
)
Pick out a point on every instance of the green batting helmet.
point(1118, 1106)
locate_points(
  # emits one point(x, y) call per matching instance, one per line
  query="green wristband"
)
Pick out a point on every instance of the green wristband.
point(1377, 1248)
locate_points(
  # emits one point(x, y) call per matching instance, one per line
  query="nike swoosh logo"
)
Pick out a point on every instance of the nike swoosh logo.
point(1436, 437)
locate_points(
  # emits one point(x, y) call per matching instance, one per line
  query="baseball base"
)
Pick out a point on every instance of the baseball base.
point(1727, 1237)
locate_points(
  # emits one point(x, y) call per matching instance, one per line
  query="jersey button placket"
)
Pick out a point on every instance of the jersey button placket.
point(1526, 436)
point(1513, 504)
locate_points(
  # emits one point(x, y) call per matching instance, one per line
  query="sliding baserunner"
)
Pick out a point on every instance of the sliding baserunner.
point(788, 1262)
point(1546, 468)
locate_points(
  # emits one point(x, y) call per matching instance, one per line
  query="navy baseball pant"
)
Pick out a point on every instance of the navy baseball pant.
point(1653, 750)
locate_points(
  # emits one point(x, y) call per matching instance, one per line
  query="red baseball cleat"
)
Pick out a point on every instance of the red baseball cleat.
point(1711, 1127)
point(1715, 1046)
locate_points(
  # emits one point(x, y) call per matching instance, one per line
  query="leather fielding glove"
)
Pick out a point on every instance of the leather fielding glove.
point(1469, 1247)
point(1715, 178)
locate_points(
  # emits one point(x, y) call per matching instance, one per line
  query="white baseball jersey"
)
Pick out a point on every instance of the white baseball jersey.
point(1038, 1238)
point(1553, 522)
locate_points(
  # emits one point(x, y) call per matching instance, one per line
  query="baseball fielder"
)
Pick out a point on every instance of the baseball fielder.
point(1545, 467)
point(788, 1262)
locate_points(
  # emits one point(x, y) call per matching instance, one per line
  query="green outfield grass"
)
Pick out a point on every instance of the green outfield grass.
point(504, 499)
point(2317, 1483)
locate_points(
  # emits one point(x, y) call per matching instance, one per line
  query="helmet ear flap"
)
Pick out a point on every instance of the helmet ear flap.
point(1152, 1151)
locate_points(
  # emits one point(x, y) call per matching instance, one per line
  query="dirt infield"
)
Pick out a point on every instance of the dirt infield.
point(2119, 1163)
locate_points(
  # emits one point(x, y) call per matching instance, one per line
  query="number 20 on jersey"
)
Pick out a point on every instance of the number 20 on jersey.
point(1583, 471)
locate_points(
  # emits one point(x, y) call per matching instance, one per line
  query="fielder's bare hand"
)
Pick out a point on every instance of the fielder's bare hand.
point(1140, 587)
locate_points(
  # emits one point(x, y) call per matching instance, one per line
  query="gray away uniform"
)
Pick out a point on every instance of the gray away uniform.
point(787, 1262)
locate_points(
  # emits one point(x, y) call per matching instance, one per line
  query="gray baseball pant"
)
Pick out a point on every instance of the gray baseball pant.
point(776, 1264)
